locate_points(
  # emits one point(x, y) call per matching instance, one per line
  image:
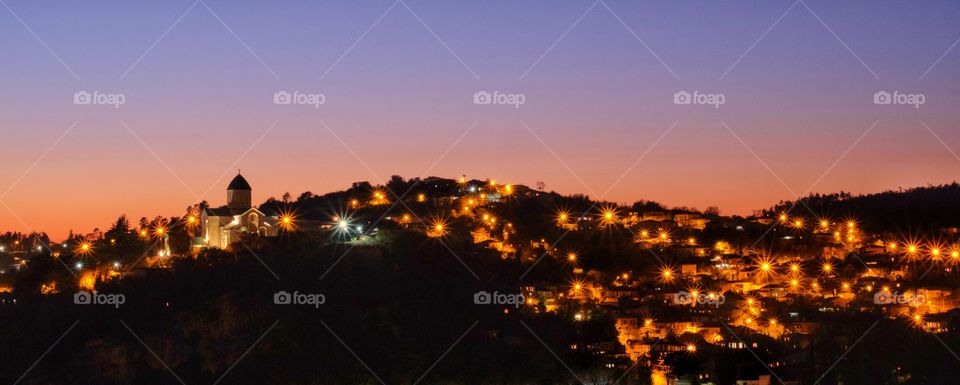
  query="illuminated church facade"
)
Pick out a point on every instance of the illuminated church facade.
point(227, 224)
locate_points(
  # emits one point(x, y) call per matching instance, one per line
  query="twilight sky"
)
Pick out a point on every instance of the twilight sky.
point(399, 79)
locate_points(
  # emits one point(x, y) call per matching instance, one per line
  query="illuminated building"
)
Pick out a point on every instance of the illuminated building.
point(225, 225)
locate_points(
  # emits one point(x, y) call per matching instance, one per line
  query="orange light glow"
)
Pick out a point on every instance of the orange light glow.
point(286, 221)
point(379, 197)
point(608, 216)
point(666, 274)
point(87, 281)
point(438, 228)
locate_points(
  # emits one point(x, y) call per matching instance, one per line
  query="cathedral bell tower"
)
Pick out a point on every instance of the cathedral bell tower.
point(239, 193)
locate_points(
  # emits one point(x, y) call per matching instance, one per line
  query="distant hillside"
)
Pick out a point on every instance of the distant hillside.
point(920, 209)
point(915, 209)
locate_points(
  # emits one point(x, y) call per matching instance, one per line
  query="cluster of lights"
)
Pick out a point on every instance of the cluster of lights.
point(609, 216)
point(935, 251)
point(824, 224)
point(379, 198)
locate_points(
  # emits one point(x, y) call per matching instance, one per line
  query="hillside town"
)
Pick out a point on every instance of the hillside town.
point(692, 295)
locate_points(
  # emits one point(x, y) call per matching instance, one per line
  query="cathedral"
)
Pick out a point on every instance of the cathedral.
point(225, 225)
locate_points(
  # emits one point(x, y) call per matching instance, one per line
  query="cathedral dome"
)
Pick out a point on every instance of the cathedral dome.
point(239, 183)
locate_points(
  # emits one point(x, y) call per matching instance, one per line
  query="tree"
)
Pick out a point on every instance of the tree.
point(397, 185)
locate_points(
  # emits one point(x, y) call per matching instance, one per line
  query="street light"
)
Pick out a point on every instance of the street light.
point(827, 268)
point(287, 221)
